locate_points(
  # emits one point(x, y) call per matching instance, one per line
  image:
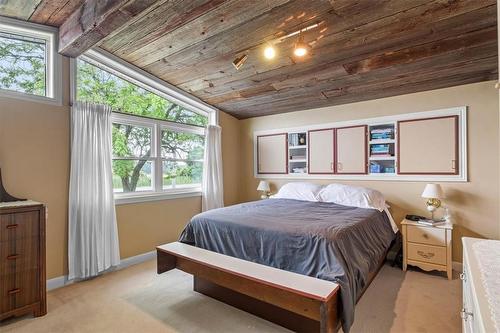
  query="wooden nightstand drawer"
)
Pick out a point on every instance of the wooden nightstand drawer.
point(426, 235)
point(427, 253)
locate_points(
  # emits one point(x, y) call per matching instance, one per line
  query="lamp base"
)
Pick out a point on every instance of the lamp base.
point(264, 196)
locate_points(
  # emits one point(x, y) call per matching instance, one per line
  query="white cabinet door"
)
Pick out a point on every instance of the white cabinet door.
point(321, 154)
point(428, 146)
point(272, 154)
point(352, 155)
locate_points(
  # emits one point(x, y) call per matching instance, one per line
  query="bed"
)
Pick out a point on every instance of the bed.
point(325, 240)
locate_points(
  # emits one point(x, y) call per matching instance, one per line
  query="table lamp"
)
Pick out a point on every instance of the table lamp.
point(433, 192)
point(264, 188)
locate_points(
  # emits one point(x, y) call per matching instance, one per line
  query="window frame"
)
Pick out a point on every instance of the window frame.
point(53, 75)
point(139, 77)
point(157, 126)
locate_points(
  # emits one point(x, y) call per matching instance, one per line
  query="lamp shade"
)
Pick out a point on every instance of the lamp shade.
point(263, 186)
point(433, 191)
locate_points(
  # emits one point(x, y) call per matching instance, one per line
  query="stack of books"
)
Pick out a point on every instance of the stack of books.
point(380, 150)
point(382, 133)
point(431, 222)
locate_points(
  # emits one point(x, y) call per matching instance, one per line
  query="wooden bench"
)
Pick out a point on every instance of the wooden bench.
point(298, 302)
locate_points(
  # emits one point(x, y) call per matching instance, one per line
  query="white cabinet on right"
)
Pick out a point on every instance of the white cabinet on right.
point(481, 272)
point(428, 146)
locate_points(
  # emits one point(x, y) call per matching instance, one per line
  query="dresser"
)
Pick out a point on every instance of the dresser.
point(22, 259)
point(428, 247)
point(481, 285)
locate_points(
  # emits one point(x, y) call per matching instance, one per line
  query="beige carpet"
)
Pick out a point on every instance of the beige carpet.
point(136, 299)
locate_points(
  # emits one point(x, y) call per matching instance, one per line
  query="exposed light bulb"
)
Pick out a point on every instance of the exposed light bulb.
point(300, 49)
point(269, 52)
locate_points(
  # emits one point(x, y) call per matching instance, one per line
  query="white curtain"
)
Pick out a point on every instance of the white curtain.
point(213, 193)
point(93, 235)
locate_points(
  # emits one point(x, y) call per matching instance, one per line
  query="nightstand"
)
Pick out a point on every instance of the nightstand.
point(428, 247)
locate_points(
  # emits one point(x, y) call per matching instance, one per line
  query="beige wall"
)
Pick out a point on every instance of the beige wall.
point(473, 204)
point(231, 157)
point(34, 157)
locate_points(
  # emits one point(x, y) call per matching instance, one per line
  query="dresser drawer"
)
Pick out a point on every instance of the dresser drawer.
point(19, 226)
point(19, 255)
point(427, 253)
point(18, 290)
point(426, 235)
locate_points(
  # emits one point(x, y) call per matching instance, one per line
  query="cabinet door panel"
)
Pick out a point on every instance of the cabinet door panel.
point(428, 146)
point(272, 154)
point(321, 155)
point(351, 154)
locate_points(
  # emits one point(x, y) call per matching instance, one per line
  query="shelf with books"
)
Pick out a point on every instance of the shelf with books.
point(380, 141)
point(382, 158)
point(297, 153)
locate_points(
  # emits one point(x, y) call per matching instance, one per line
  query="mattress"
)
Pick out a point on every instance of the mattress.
point(324, 240)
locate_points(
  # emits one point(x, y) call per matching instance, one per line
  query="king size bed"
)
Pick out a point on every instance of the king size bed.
point(326, 240)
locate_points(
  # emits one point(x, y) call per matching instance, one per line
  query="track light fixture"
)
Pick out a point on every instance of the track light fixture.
point(239, 61)
point(301, 47)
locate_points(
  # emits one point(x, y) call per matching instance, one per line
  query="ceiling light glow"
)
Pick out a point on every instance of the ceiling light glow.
point(269, 52)
point(300, 49)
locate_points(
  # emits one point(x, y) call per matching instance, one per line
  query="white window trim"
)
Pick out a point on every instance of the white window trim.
point(54, 59)
point(129, 72)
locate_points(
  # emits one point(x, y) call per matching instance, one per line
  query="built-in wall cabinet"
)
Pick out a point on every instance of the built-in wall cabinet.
point(422, 146)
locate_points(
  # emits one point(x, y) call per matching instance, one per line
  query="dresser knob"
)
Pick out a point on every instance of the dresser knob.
point(465, 314)
point(14, 291)
point(462, 276)
point(425, 236)
point(13, 256)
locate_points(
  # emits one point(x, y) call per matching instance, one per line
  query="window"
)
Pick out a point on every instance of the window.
point(29, 61)
point(101, 86)
point(158, 145)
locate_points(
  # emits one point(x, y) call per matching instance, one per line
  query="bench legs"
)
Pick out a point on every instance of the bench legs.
point(165, 262)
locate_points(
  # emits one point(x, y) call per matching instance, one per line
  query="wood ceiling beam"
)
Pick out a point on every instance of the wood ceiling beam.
point(54, 12)
point(94, 20)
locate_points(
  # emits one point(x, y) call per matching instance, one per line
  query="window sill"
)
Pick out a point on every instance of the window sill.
point(30, 98)
point(124, 199)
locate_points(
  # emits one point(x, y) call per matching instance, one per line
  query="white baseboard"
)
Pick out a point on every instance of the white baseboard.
point(457, 266)
point(62, 281)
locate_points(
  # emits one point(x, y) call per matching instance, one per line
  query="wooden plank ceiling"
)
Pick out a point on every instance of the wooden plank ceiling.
point(368, 49)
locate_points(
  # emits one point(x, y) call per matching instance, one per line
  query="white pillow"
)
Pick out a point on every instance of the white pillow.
point(298, 191)
point(354, 196)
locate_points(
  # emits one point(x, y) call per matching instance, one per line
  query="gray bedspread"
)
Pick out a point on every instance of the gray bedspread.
point(328, 241)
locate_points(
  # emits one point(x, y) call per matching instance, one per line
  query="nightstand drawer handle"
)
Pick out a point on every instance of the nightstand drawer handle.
point(14, 291)
point(462, 277)
point(13, 256)
point(427, 255)
point(12, 226)
point(425, 236)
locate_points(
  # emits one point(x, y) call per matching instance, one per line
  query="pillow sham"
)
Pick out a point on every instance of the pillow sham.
point(354, 196)
point(298, 191)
